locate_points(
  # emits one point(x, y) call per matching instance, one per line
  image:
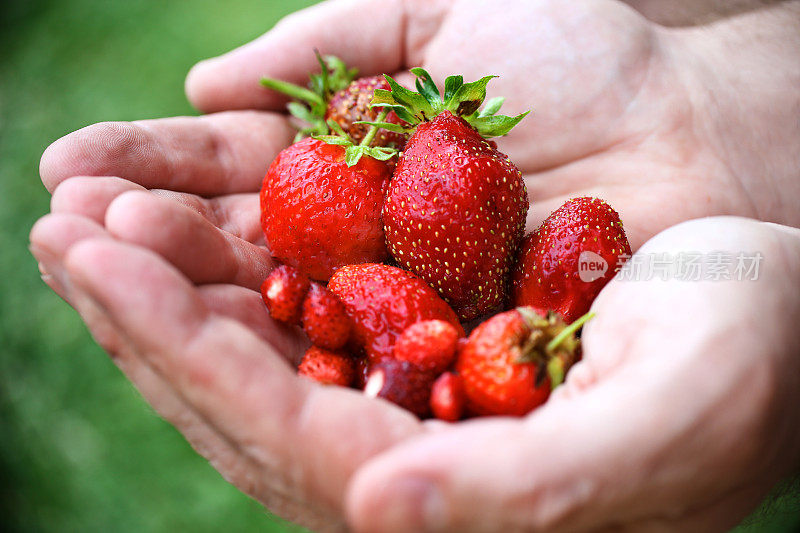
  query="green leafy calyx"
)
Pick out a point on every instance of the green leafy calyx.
point(461, 99)
point(354, 152)
point(310, 102)
point(551, 343)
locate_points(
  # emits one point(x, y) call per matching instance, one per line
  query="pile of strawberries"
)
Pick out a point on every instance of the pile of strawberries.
point(401, 204)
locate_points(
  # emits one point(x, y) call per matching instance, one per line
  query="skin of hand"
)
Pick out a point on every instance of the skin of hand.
point(640, 115)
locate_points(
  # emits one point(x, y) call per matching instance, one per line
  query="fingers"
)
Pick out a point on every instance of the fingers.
point(210, 156)
point(89, 196)
point(187, 240)
point(247, 307)
point(51, 237)
point(238, 384)
point(237, 214)
point(365, 34)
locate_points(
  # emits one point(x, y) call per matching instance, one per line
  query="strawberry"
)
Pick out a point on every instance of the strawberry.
point(429, 344)
point(447, 397)
point(402, 383)
point(513, 360)
point(321, 205)
point(455, 209)
point(352, 104)
point(324, 318)
point(328, 367)
point(283, 292)
point(565, 263)
point(382, 301)
point(333, 95)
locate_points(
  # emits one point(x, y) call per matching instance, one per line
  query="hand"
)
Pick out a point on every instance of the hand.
point(213, 164)
point(682, 414)
point(651, 430)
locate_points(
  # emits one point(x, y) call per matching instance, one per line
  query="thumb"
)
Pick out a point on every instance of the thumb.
point(364, 33)
point(560, 468)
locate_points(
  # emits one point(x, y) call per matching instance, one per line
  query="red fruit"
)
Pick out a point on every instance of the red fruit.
point(328, 367)
point(352, 104)
point(324, 318)
point(382, 301)
point(318, 214)
point(511, 360)
point(565, 263)
point(362, 372)
point(283, 291)
point(402, 383)
point(429, 344)
point(448, 398)
point(456, 207)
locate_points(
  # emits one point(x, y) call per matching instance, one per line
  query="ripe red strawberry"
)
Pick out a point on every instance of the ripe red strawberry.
point(512, 361)
point(402, 383)
point(455, 209)
point(318, 213)
point(328, 367)
point(429, 344)
point(352, 104)
point(382, 301)
point(324, 318)
point(283, 292)
point(448, 398)
point(565, 263)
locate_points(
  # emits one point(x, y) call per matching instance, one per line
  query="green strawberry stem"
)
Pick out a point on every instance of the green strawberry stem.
point(293, 91)
point(373, 130)
point(569, 330)
point(354, 152)
point(558, 363)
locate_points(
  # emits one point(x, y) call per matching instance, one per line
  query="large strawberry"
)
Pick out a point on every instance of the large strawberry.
point(334, 95)
point(382, 301)
point(321, 204)
point(565, 263)
point(455, 209)
point(512, 361)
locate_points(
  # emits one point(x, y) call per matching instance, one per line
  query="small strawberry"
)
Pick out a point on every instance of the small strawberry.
point(334, 95)
point(324, 318)
point(455, 209)
point(402, 383)
point(382, 301)
point(283, 292)
point(513, 360)
point(351, 105)
point(429, 344)
point(448, 398)
point(565, 263)
point(328, 367)
point(321, 205)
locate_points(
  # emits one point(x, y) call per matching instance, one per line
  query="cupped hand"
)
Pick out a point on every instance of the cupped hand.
point(617, 114)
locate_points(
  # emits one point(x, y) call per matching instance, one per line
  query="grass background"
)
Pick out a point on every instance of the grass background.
point(79, 449)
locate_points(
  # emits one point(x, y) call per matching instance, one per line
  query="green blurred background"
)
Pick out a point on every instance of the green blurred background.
point(79, 449)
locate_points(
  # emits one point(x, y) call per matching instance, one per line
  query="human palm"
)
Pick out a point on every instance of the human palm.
point(612, 117)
